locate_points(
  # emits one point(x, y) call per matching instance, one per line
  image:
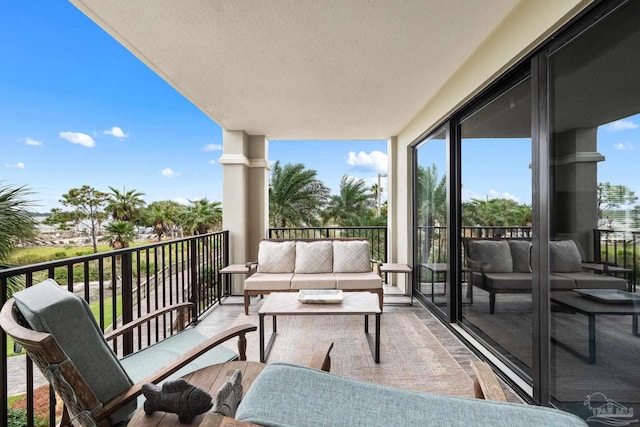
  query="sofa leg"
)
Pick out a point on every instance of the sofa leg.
point(247, 300)
point(492, 302)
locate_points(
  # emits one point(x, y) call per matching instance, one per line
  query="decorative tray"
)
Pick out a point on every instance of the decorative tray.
point(320, 296)
point(611, 296)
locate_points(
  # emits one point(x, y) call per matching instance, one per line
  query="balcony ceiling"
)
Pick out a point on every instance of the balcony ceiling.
point(335, 69)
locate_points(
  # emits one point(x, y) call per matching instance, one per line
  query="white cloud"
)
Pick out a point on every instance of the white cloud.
point(212, 147)
point(622, 125)
point(493, 194)
point(375, 161)
point(182, 200)
point(30, 141)
point(169, 173)
point(19, 165)
point(115, 132)
point(212, 162)
point(78, 138)
point(624, 146)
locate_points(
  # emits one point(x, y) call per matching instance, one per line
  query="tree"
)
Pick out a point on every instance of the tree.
point(496, 212)
point(121, 233)
point(201, 217)
point(431, 206)
point(163, 216)
point(16, 223)
point(351, 204)
point(612, 197)
point(125, 205)
point(296, 196)
point(88, 205)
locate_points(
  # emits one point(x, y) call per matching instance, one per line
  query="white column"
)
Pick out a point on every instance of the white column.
point(244, 195)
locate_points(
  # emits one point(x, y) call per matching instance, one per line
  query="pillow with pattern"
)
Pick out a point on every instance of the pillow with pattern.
point(276, 257)
point(314, 257)
point(351, 256)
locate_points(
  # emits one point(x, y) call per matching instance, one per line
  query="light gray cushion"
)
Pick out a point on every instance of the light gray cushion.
point(314, 257)
point(313, 281)
point(564, 257)
point(288, 395)
point(49, 308)
point(520, 251)
point(368, 280)
point(276, 257)
point(268, 281)
point(351, 256)
point(494, 255)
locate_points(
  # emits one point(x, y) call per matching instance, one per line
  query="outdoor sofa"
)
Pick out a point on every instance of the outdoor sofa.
point(292, 265)
point(502, 266)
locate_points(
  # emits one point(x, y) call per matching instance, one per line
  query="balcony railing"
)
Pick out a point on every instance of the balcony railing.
point(121, 286)
point(613, 247)
point(376, 235)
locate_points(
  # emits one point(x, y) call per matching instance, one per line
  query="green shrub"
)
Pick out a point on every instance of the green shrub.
point(18, 418)
point(60, 255)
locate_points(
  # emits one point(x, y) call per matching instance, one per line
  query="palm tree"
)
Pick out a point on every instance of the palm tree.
point(432, 206)
point(353, 202)
point(125, 205)
point(202, 217)
point(16, 223)
point(296, 196)
point(120, 234)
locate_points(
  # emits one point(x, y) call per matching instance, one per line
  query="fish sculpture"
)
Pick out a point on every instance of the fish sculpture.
point(178, 397)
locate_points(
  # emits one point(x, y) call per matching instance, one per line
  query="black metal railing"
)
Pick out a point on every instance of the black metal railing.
point(120, 286)
point(377, 236)
point(614, 247)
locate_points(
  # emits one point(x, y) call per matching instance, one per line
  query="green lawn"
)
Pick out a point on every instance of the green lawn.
point(108, 318)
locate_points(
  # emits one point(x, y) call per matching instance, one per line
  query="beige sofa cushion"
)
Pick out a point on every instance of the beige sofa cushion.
point(313, 281)
point(351, 256)
point(367, 280)
point(564, 257)
point(276, 257)
point(268, 281)
point(314, 257)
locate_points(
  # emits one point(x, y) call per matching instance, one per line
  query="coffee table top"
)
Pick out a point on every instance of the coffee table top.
point(286, 303)
point(590, 306)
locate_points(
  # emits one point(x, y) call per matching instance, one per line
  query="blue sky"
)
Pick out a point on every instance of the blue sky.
point(77, 108)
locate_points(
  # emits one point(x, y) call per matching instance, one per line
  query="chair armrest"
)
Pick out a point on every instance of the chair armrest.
point(321, 358)
point(486, 384)
point(143, 319)
point(135, 390)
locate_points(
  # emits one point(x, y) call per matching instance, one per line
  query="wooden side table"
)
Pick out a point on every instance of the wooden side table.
point(210, 379)
point(402, 269)
point(227, 272)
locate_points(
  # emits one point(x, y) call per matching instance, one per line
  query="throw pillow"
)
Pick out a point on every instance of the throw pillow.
point(276, 257)
point(351, 256)
point(494, 255)
point(314, 257)
point(564, 257)
point(520, 252)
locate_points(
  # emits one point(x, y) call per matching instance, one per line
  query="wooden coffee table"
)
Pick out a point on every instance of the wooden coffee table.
point(287, 304)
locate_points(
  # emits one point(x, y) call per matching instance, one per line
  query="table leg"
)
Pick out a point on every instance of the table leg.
point(634, 324)
point(366, 324)
point(592, 338)
point(262, 356)
point(377, 355)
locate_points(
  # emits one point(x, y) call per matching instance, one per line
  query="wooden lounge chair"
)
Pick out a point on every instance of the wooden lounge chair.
point(60, 335)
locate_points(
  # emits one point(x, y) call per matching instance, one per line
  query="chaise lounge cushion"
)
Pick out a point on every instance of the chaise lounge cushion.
point(587, 280)
point(314, 257)
point(49, 308)
point(351, 256)
point(289, 395)
point(276, 257)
